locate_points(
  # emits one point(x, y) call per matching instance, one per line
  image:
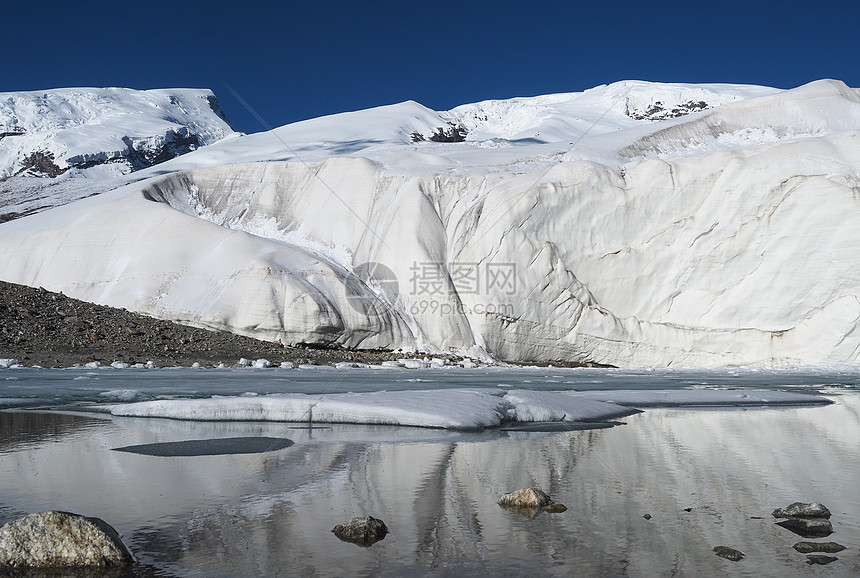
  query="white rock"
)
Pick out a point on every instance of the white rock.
point(61, 540)
point(262, 363)
point(287, 365)
point(413, 363)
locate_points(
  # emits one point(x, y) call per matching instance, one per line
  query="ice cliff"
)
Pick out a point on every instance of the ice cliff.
point(634, 224)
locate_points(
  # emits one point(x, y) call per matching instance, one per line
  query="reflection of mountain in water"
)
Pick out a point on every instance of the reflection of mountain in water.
point(21, 428)
point(437, 492)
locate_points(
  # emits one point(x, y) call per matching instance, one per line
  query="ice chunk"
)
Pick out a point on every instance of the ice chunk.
point(452, 409)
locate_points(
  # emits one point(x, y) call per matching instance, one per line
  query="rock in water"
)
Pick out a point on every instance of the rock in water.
point(802, 510)
point(60, 540)
point(530, 502)
point(829, 547)
point(525, 498)
point(729, 553)
point(808, 527)
point(362, 531)
point(820, 559)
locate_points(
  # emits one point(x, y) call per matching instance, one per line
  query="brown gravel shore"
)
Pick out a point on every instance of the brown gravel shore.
point(42, 328)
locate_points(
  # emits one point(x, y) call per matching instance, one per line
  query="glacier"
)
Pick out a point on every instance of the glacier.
point(635, 224)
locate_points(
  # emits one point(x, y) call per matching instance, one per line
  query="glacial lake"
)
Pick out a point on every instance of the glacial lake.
point(706, 476)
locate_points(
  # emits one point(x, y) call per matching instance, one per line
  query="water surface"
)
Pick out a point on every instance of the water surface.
point(271, 514)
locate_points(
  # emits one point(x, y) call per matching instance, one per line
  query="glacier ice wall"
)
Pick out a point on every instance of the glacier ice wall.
point(725, 237)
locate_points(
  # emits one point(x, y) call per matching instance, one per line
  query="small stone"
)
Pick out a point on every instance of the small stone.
point(808, 527)
point(820, 559)
point(364, 531)
point(829, 547)
point(60, 540)
point(802, 510)
point(729, 553)
point(555, 508)
point(647, 516)
point(525, 498)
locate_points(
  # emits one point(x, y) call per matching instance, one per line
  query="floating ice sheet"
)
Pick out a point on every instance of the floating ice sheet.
point(451, 408)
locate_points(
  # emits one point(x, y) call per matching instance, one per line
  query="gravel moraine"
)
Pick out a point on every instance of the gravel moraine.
point(46, 329)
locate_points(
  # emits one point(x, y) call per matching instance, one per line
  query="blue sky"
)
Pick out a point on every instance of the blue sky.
point(295, 61)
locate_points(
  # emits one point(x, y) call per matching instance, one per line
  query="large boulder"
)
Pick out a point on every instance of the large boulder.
point(809, 520)
point(61, 540)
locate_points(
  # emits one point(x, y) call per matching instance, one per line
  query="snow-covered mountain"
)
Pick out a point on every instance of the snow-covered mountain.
point(101, 134)
point(634, 224)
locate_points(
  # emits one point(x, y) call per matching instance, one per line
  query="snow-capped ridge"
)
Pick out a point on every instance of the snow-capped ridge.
point(562, 228)
point(816, 109)
point(604, 108)
point(81, 127)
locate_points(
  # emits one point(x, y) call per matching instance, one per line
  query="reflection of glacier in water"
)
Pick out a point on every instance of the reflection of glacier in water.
point(272, 514)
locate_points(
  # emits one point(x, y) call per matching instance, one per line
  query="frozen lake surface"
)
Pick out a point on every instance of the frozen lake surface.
point(272, 513)
point(81, 386)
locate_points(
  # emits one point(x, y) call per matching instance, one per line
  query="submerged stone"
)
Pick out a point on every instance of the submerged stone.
point(802, 510)
point(364, 531)
point(729, 553)
point(829, 547)
point(820, 559)
point(808, 527)
point(61, 540)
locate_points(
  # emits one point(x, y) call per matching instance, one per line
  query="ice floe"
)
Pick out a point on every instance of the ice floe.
point(448, 408)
